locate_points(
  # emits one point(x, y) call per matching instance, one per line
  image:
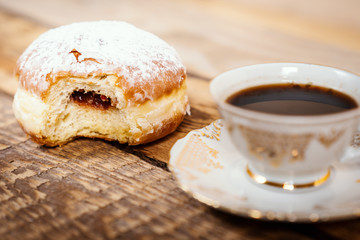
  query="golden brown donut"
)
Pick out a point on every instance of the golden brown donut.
point(103, 79)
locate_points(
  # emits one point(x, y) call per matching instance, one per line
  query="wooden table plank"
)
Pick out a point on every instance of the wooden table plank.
point(291, 22)
point(214, 36)
point(71, 193)
point(94, 189)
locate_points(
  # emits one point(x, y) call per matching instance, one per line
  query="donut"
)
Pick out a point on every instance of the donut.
point(101, 79)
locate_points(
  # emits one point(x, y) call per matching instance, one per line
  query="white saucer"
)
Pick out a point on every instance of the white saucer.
point(207, 166)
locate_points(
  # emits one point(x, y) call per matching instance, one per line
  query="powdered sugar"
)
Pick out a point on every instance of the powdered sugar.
point(96, 48)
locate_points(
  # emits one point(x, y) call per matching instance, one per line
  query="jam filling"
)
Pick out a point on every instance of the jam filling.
point(91, 99)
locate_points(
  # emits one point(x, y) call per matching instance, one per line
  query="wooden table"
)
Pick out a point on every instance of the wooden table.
point(93, 189)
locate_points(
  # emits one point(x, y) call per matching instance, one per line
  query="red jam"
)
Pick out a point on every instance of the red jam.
point(91, 99)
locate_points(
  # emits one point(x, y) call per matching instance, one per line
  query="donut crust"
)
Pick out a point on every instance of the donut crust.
point(139, 73)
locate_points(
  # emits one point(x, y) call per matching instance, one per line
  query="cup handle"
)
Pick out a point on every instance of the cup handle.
point(352, 153)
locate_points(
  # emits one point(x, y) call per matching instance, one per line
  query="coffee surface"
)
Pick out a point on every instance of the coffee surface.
point(292, 99)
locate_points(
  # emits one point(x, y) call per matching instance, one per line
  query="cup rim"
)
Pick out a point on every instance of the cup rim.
point(278, 118)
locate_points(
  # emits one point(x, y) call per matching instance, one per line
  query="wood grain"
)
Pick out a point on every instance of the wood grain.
point(94, 189)
point(71, 193)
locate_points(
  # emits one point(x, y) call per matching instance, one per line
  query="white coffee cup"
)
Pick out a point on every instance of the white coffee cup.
point(288, 151)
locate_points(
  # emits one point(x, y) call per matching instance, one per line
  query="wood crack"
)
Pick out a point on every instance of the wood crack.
point(142, 156)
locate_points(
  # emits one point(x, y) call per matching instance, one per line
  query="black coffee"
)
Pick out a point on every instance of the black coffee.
point(292, 99)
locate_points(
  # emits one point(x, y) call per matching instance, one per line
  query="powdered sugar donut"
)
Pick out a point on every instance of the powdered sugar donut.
point(103, 79)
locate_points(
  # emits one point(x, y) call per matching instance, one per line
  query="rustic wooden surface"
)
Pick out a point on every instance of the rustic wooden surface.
point(93, 189)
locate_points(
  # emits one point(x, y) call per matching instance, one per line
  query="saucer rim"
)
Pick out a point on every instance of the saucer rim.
point(257, 214)
point(254, 213)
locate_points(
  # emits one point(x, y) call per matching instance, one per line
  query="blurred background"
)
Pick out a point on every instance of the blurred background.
point(211, 36)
